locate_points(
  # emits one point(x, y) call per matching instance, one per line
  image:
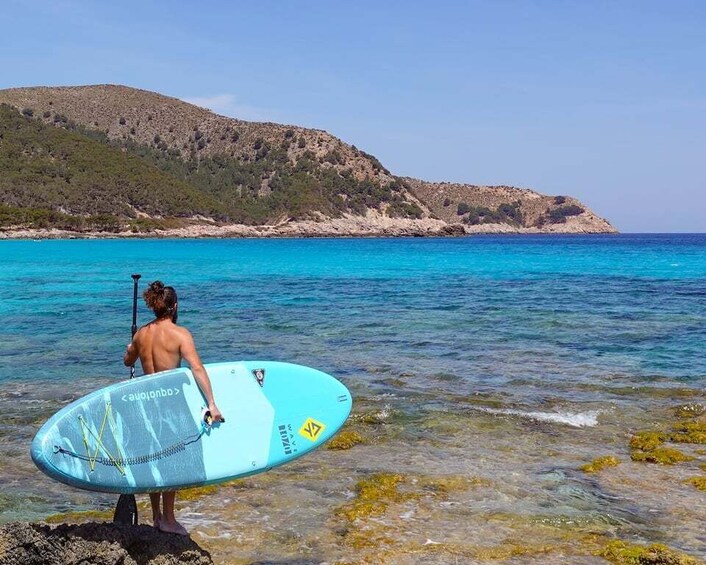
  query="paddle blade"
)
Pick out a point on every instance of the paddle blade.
point(126, 510)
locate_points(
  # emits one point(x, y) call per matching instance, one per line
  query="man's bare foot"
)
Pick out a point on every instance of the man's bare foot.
point(156, 521)
point(172, 527)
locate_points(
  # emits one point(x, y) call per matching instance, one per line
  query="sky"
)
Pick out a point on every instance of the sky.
point(604, 100)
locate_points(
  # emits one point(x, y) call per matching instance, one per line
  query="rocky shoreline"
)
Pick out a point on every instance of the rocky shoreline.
point(349, 226)
point(97, 543)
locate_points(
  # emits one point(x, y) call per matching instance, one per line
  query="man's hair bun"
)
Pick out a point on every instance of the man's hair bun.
point(160, 299)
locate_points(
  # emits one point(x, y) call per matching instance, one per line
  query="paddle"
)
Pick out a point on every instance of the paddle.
point(135, 278)
point(126, 508)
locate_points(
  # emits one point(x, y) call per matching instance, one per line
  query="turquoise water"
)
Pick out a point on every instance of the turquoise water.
point(625, 302)
point(582, 338)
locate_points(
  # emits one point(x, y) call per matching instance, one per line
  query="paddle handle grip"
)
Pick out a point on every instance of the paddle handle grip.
point(208, 419)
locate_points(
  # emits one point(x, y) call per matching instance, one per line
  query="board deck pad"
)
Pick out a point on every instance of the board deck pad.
point(148, 434)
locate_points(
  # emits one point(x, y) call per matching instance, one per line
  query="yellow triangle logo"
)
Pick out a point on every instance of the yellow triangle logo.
point(311, 429)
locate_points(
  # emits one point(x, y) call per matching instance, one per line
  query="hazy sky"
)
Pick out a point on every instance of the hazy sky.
point(602, 100)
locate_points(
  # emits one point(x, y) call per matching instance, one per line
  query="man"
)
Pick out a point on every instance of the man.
point(160, 346)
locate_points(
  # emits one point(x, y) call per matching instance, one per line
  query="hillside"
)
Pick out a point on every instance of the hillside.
point(49, 176)
point(505, 208)
point(138, 160)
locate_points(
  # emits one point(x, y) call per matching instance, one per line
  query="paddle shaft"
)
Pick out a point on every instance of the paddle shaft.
point(135, 278)
point(126, 508)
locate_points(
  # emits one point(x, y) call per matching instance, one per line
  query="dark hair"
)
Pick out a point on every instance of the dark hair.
point(161, 299)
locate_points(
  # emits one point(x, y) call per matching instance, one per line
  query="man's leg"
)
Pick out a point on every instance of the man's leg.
point(155, 498)
point(168, 522)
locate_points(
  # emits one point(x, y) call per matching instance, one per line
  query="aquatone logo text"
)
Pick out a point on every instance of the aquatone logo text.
point(151, 394)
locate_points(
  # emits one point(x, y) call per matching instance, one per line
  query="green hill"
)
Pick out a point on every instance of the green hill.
point(53, 177)
point(74, 177)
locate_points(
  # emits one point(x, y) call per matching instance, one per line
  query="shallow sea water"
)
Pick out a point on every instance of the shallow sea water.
point(485, 372)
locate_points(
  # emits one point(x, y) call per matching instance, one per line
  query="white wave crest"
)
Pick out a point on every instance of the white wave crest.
point(574, 419)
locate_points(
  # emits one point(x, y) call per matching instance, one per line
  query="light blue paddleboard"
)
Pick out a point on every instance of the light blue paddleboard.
point(148, 434)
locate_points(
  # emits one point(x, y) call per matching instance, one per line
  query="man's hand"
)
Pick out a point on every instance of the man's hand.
point(216, 415)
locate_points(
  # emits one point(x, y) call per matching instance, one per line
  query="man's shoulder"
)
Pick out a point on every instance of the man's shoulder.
point(140, 332)
point(182, 331)
point(144, 327)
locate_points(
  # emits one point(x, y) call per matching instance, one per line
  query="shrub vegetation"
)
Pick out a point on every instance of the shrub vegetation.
point(506, 213)
point(559, 215)
point(75, 176)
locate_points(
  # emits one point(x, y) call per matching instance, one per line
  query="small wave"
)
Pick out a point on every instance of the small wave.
point(573, 419)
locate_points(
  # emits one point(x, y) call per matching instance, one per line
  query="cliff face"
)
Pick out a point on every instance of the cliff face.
point(237, 172)
point(23, 543)
point(526, 211)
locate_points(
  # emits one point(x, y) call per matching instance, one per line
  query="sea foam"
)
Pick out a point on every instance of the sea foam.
point(574, 419)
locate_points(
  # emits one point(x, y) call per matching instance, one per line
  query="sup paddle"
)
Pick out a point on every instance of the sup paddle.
point(126, 508)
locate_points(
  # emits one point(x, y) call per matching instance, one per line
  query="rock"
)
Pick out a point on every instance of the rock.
point(453, 230)
point(24, 543)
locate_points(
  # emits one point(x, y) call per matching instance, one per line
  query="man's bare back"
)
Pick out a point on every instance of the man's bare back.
point(160, 344)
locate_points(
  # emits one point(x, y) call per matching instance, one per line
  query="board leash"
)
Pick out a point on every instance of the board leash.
point(121, 462)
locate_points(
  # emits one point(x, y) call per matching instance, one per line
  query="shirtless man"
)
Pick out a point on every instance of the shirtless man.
point(161, 345)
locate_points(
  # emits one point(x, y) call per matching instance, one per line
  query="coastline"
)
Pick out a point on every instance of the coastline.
point(347, 226)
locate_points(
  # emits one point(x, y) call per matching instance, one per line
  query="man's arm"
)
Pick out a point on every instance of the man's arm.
point(131, 354)
point(189, 353)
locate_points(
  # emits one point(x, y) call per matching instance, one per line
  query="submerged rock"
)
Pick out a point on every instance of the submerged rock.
point(689, 410)
point(689, 432)
point(698, 482)
point(622, 553)
point(345, 440)
point(661, 455)
point(648, 441)
point(600, 463)
point(23, 543)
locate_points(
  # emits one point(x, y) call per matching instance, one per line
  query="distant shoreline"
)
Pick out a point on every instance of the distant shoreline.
point(350, 226)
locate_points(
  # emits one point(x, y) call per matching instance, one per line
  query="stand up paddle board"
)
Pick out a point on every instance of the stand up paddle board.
point(150, 434)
